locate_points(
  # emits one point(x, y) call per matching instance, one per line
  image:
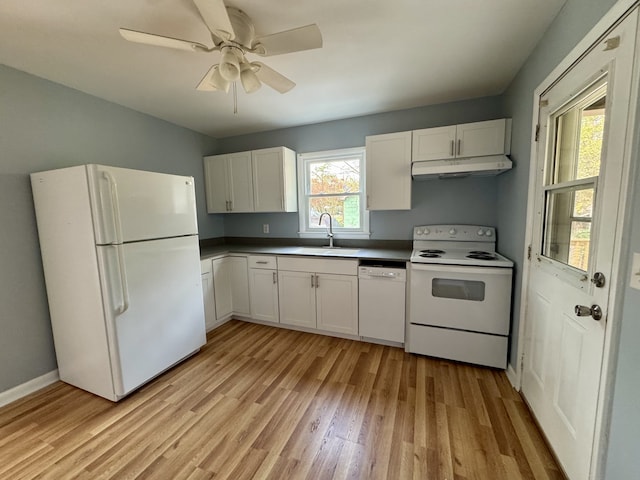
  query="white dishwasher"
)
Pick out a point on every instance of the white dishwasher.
point(382, 302)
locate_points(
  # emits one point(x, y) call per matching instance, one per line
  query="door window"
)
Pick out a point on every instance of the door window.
point(571, 177)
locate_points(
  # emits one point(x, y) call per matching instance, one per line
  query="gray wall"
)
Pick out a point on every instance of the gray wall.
point(569, 27)
point(43, 126)
point(466, 201)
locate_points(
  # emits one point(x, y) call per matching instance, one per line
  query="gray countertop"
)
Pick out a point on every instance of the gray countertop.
point(362, 253)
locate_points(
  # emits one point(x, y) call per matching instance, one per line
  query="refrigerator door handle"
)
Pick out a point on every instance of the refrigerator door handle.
point(115, 206)
point(124, 286)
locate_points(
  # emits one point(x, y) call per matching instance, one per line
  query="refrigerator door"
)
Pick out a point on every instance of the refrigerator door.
point(133, 205)
point(154, 307)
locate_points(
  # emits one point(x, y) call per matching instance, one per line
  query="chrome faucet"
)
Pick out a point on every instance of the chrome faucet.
point(330, 233)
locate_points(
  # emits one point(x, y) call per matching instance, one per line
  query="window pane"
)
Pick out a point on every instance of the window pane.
point(344, 210)
point(337, 176)
point(579, 246)
point(567, 237)
point(579, 135)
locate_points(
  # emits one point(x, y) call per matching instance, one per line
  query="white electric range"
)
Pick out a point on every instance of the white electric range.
point(459, 295)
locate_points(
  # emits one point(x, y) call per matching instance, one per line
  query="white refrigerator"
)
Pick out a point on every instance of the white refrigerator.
point(122, 270)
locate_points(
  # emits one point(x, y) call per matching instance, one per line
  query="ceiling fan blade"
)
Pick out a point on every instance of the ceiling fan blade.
point(162, 41)
point(272, 78)
point(295, 40)
point(214, 13)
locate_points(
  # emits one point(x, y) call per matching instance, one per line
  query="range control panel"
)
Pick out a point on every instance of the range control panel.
point(460, 233)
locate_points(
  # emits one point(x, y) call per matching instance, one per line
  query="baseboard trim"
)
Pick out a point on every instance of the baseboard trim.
point(29, 387)
point(512, 376)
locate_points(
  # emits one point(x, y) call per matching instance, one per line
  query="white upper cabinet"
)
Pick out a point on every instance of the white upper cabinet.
point(388, 171)
point(229, 183)
point(257, 181)
point(477, 139)
point(274, 180)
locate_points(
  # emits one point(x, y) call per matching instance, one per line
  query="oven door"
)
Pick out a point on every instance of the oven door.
point(476, 299)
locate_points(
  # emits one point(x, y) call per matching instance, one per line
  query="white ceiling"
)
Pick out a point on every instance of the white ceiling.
point(378, 55)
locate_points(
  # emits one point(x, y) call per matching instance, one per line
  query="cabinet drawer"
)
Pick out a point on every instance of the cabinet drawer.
point(318, 265)
point(262, 261)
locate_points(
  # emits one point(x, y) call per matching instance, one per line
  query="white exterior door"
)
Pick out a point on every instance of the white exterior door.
point(583, 128)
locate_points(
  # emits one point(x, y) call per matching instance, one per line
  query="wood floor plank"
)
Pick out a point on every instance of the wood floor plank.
point(260, 402)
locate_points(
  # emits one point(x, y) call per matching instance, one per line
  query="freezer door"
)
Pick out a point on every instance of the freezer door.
point(155, 312)
point(133, 205)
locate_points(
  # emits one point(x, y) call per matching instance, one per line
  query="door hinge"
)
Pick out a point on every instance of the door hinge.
point(612, 43)
point(529, 252)
point(537, 132)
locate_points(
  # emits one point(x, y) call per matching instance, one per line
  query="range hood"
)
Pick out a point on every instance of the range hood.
point(461, 167)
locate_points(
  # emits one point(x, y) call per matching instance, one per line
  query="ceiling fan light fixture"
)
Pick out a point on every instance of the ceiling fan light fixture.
point(229, 64)
point(249, 80)
point(218, 81)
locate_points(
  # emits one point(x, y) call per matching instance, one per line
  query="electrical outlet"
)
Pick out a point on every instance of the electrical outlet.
point(265, 228)
point(635, 272)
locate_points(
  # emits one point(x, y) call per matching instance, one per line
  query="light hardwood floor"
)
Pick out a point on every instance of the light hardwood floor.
point(263, 402)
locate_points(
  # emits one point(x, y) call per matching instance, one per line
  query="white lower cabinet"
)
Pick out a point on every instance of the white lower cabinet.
point(297, 298)
point(231, 286)
point(263, 288)
point(337, 303)
point(208, 294)
point(318, 293)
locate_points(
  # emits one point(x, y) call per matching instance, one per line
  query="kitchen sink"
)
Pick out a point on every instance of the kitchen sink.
point(335, 251)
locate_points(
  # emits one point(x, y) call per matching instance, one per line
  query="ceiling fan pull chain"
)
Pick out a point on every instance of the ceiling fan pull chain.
point(235, 99)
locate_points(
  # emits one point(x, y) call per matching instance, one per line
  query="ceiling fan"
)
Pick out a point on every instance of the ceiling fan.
point(233, 34)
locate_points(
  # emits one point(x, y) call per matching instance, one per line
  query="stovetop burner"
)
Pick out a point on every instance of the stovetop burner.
point(481, 256)
point(432, 250)
point(431, 255)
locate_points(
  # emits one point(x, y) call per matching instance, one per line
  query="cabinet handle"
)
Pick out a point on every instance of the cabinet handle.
point(452, 152)
point(275, 278)
point(459, 146)
point(262, 262)
point(317, 282)
point(226, 205)
point(312, 285)
point(231, 205)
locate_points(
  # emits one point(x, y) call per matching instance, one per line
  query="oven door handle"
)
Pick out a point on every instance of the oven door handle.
point(460, 269)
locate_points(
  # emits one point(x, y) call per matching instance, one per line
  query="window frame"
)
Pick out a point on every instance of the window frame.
point(304, 159)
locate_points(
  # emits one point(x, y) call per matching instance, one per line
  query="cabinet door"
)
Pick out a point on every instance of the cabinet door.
point(240, 184)
point(337, 303)
point(209, 298)
point(239, 281)
point(434, 143)
point(215, 175)
point(481, 138)
point(263, 292)
point(297, 298)
point(221, 268)
point(268, 180)
point(389, 171)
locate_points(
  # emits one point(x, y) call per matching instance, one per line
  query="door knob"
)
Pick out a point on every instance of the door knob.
point(594, 311)
point(598, 279)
